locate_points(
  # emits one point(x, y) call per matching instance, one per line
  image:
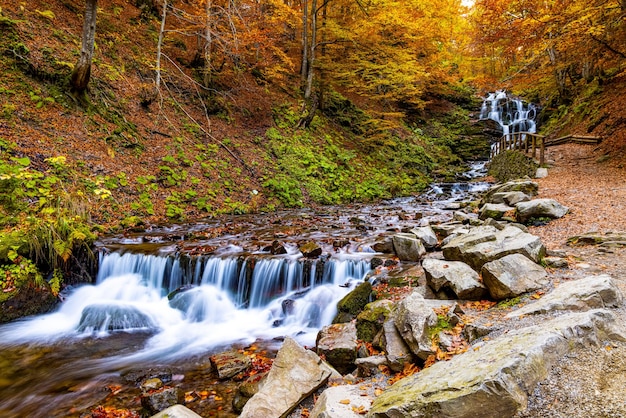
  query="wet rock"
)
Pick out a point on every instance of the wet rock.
point(376, 262)
point(341, 402)
point(540, 208)
point(455, 276)
point(486, 243)
point(113, 317)
point(230, 363)
point(157, 400)
point(414, 318)
point(141, 375)
point(247, 390)
point(370, 321)
point(340, 243)
point(512, 276)
point(385, 247)
point(494, 210)
point(276, 248)
point(408, 247)
point(30, 299)
point(463, 217)
point(151, 384)
point(311, 250)
point(444, 230)
point(354, 302)
point(588, 293)
point(295, 374)
point(337, 343)
point(176, 411)
point(426, 235)
point(494, 380)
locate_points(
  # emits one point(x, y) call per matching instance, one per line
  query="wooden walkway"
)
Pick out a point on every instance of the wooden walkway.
point(532, 142)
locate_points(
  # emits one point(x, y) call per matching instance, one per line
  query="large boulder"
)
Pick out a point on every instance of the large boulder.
point(295, 374)
point(414, 318)
point(455, 276)
point(540, 208)
point(512, 276)
point(494, 379)
point(113, 317)
point(486, 243)
point(337, 344)
point(408, 247)
point(588, 293)
point(157, 400)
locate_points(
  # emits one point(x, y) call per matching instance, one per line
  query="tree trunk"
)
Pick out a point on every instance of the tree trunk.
point(311, 54)
point(305, 41)
point(208, 45)
point(82, 71)
point(159, 44)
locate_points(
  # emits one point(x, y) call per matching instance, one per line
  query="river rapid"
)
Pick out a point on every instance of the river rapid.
point(170, 296)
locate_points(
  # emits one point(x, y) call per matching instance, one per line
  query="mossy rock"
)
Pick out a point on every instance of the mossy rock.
point(354, 302)
point(29, 299)
point(370, 321)
point(511, 165)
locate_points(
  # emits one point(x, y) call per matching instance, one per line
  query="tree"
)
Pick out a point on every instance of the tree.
point(81, 74)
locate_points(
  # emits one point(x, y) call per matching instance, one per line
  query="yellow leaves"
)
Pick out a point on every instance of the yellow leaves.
point(48, 14)
point(345, 401)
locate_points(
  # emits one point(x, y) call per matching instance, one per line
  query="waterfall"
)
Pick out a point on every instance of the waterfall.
point(194, 304)
point(511, 113)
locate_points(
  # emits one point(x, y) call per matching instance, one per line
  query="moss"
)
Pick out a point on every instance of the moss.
point(354, 302)
point(511, 165)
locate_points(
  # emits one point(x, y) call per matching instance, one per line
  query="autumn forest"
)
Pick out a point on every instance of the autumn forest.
point(116, 114)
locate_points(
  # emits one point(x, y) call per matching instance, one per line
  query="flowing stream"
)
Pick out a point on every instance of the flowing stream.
point(511, 113)
point(175, 294)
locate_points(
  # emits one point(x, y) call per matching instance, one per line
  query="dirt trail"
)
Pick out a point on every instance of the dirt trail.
point(588, 382)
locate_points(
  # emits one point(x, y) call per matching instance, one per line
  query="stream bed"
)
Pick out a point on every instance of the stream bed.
point(171, 296)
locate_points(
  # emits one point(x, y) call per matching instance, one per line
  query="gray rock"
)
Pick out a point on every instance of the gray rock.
point(426, 235)
point(385, 246)
point(354, 302)
point(509, 198)
point(338, 344)
point(408, 247)
point(295, 374)
point(247, 390)
point(176, 411)
point(588, 293)
point(512, 276)
point(396, 350)
point(494, 379)
point(529, 188)
point(444, 230)
point(229, 363)
point(370, 366)
point(494, 210)
point(414, 318)
point(486, 243)
point(541, 173)
point(456, 276)
point(340, 402)
point(555, 262)
point(540, 208)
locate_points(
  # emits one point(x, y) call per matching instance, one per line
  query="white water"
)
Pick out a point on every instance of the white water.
point(211, 314)
point(511, 113)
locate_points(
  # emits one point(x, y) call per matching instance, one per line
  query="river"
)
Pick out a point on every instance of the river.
point(170, 296)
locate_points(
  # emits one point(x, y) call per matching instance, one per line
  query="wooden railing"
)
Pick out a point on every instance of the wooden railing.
point(531, 142)
point(521, 141)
